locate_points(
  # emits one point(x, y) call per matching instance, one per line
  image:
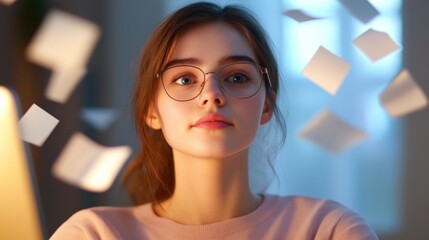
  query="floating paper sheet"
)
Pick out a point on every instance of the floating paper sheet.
point(360, 9)
point(99, 118)
point(326, 70)
point(299, 15)
point(88, 165)
point(36, 125)
point(63, 41)
point(63, 44)
point(375, 44)
point(403, 95)
point(331, 133)
point(62, 84)
point(7, 2)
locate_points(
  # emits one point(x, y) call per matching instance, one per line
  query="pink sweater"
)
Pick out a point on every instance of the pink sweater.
point(276, 218)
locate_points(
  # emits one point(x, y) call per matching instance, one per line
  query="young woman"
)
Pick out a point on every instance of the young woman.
point(207, 82)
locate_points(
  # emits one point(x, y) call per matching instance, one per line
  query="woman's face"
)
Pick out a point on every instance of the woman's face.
point(214, 124)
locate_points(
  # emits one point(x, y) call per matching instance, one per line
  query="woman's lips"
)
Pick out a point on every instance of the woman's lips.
point(212, 121)
point(213, 125)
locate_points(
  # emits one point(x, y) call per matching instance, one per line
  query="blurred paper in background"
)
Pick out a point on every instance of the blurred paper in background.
point(326, 70)
point(62, 83)
point(360, 9)
point(64, 41)
point(375, 45)
point(403, 95)
point(331, 132)
point(299, 15)
point(36, 125)
point(99, 118)
point(88, 165)
point(63, 44)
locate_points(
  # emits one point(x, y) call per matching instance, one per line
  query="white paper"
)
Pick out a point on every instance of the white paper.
point(62, 83)
point(403, 95)
point(375, 44)
point(63, 44)
point(299, 15)
point(36, 125)
point(326, 70)
point(63, 41)
point(99, 118)
point(88, 165)
point(363, 10)
point(331, 132)
point(7, 2)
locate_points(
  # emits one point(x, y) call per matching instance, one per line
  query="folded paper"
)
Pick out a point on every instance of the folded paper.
point(63, 44)
point(363, 10)
point(88, 165)
point(331, 132)
point(62, 83)
point(375, 44)
point(36, 125)
point(63, 41)
point(403, 95)
point(299, 15)
point(326, 70)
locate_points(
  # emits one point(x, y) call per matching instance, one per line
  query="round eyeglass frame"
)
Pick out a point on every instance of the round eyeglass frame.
point(263, 71)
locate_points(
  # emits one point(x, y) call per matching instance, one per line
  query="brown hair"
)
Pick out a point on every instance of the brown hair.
point(150, 176)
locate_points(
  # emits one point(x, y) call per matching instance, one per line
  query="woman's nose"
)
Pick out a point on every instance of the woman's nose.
point(211, 93)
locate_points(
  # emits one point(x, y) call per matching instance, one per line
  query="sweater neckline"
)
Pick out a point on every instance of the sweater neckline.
point(217, 229)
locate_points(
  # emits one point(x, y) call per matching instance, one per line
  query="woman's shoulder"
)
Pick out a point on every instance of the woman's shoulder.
point(306, 204)
point(321, 216)
point(98, 223)
point(104, 213)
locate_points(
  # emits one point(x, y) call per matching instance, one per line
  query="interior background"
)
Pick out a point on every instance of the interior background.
point(125, 26)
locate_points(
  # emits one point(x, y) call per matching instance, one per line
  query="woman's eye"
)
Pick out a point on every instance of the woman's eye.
point(237, 78)
point(184, 80)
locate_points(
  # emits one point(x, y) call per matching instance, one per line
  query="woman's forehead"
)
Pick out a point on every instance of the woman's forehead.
point(210, 43)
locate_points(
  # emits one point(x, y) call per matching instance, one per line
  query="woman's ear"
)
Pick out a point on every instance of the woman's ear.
point(153, 120)
point(267, 111)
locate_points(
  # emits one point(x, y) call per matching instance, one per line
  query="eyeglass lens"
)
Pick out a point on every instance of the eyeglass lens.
point(186, 82)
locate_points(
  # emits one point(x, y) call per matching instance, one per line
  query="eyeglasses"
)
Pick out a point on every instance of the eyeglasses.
point(185, 82)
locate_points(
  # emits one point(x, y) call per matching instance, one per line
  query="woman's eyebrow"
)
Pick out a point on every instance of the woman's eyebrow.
point(236, 58)
point(180, 61)
point(223, 61)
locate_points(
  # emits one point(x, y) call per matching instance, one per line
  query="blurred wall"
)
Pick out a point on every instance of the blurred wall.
point(416, 163)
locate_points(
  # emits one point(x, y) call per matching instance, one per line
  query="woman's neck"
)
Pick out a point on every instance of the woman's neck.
point(209, 190)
